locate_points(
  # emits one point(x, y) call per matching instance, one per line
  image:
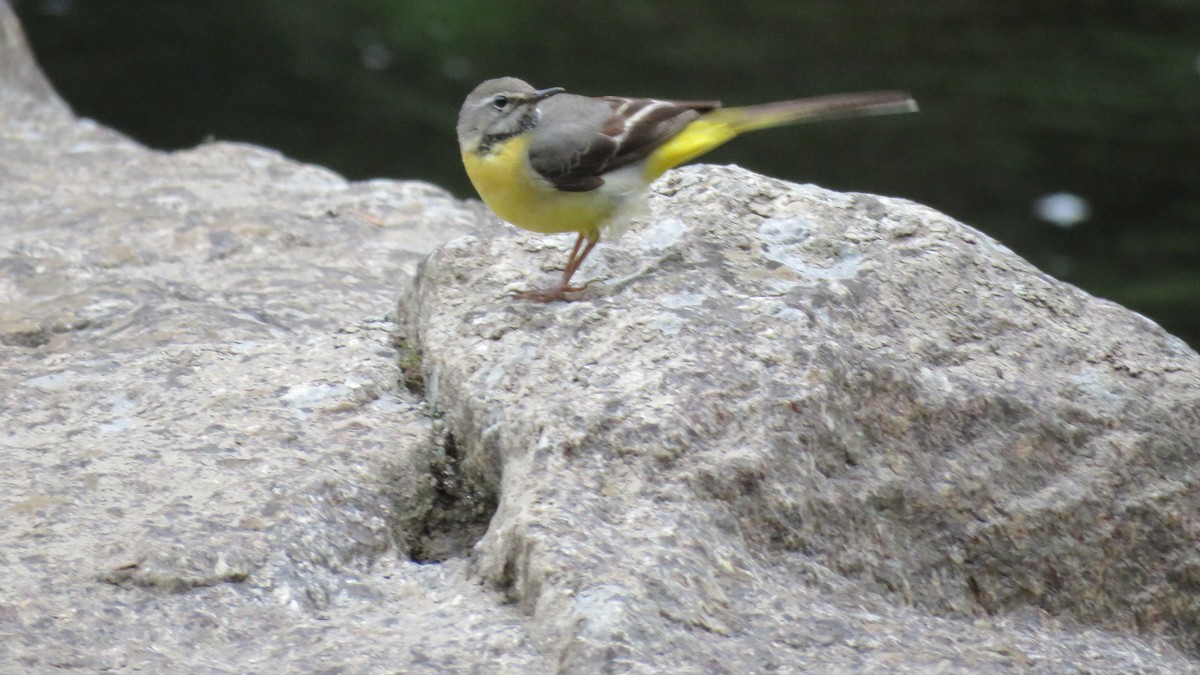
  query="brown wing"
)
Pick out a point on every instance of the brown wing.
point(579, 139)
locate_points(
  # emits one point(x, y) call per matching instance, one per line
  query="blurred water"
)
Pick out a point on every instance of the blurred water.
point(1070, 131)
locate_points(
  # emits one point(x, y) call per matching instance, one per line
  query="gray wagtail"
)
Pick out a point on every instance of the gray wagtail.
point(553, 162)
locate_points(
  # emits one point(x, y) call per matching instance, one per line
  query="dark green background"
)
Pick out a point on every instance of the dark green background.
point(1019, 99)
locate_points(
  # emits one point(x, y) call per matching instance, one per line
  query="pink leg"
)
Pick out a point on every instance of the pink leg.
point(573, 262)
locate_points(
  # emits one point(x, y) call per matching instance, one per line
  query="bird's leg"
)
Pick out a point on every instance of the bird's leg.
point(571, 265)
point(573, 262)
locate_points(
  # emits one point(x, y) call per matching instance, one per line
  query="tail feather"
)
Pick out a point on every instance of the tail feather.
point(817, 109)
point(723, 124)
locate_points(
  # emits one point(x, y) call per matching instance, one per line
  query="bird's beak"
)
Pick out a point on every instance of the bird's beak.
point(541, 94)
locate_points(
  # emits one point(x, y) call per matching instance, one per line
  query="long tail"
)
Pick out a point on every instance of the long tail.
point(719, 126)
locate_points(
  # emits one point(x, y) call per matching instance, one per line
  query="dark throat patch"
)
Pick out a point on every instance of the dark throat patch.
point(491, 142)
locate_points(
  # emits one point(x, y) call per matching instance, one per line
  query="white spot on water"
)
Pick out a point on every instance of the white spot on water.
point(1062, 209)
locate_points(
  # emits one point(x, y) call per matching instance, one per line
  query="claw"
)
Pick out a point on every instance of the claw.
point(556, 294)
point(573, 263)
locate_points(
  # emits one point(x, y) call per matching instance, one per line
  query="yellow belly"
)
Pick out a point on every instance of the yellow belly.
point(510, 187)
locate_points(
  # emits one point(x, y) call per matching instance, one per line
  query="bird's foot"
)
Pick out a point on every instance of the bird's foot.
point(557, 294)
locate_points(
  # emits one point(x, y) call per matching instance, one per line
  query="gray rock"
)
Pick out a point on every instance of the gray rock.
point(805, 430)
point(796, 430)
point(208, 463)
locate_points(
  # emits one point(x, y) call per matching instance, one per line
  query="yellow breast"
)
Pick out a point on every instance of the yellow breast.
point(511, 188)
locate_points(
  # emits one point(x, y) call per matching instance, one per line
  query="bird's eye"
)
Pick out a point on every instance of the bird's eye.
point(499, 101)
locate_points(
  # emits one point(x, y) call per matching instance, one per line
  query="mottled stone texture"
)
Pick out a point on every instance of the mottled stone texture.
point(795, 431)
point(797, 422)
point(209, 465)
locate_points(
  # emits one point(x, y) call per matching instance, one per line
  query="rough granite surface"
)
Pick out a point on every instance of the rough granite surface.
point(209, 464)
point(793, 431)
point(794, 422)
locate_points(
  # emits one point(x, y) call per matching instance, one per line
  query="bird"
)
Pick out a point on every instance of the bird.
point(553, 162)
